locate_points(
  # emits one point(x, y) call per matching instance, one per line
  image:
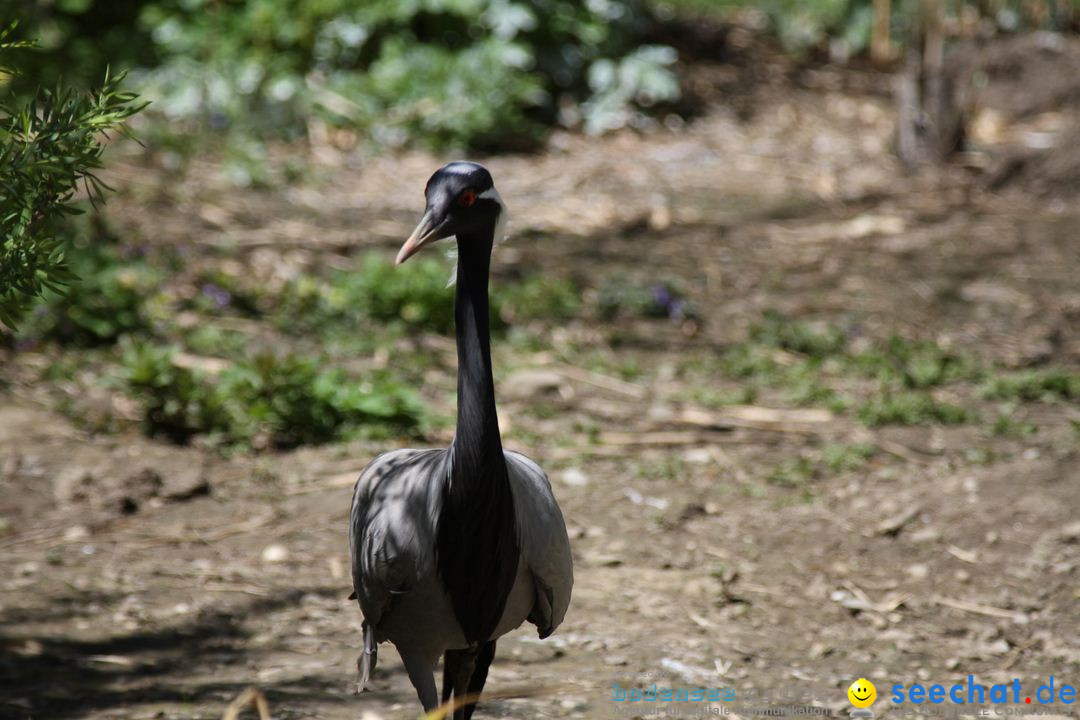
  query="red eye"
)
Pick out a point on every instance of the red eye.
point(467, 198)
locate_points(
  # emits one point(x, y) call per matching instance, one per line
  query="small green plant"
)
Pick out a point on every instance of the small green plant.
point(842, 458)
point(49, 146)
point(794, 473)
point(1043, 385)
point(914, 363)
point(1006, 425)
point(911, 407)
point(536, 297)
point(810, 339)
point(714, 398)
point(177, 402)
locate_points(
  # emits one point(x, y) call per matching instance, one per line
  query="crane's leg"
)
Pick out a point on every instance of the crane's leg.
point(480, 673)
point(451, 667)
point(458, 668)
point(422, 675)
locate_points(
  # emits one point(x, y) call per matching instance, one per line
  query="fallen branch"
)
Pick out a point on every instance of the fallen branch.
point(978, 609)
point(250, 697)
point(755, 417)
point(445, 711)
point(670, 437)
point(606, 382)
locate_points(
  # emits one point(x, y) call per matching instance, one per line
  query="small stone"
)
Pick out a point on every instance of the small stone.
point(918, 571)
point(698, 456)
point(76, 532)
point(185, 484)
point(574, 477)
point(926, 535)
point(275, 553)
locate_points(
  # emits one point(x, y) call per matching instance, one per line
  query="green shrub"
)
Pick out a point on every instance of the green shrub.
point(49, 145)
point(177, 402)
point(265, 400)
point(109, 300)
point(480, 73)
point(291, 400)
point(416, 296)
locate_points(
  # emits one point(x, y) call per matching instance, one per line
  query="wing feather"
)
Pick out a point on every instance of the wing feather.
point(392, 525)
point(543, 540)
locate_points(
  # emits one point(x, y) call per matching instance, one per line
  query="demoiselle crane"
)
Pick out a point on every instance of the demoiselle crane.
point(454, 547)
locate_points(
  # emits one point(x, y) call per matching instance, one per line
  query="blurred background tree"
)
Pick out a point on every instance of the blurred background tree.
point(477, 73)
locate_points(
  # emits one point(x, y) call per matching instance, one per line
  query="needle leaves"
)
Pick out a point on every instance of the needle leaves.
point(50, 149)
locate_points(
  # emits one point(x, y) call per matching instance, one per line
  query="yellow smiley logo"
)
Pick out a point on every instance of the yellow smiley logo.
point(862, 693)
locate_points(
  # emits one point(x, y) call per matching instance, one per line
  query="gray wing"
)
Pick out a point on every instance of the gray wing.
point(392, 525)
point(545, 545)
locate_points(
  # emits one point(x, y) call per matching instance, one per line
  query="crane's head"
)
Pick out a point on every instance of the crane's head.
point(461, 198)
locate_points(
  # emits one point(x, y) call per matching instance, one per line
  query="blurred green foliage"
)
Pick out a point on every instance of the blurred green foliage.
point(906, 407)
point(476, 73)
point(1037, 385)
point(621, 296)
point(418, 298)
point(806, 361)
point(50, 143)
point(190, 342)
point(265, 400)
point(110, 299)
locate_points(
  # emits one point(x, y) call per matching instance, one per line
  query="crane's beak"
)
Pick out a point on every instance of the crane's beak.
point(428, 231)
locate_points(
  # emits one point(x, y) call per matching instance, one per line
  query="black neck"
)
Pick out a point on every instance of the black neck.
point(478, 455)
point(476, 544)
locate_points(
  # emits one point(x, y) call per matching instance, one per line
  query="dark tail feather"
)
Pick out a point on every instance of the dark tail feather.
point(368, 658)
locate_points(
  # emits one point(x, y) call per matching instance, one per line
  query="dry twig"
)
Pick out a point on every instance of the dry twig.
point(250, 697)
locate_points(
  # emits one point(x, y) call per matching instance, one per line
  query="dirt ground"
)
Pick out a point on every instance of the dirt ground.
point(145, 580)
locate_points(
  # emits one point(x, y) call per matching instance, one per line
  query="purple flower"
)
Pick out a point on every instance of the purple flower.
point(219, 296)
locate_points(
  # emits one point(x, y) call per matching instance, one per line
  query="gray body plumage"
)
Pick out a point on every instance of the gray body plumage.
point(395, 510)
